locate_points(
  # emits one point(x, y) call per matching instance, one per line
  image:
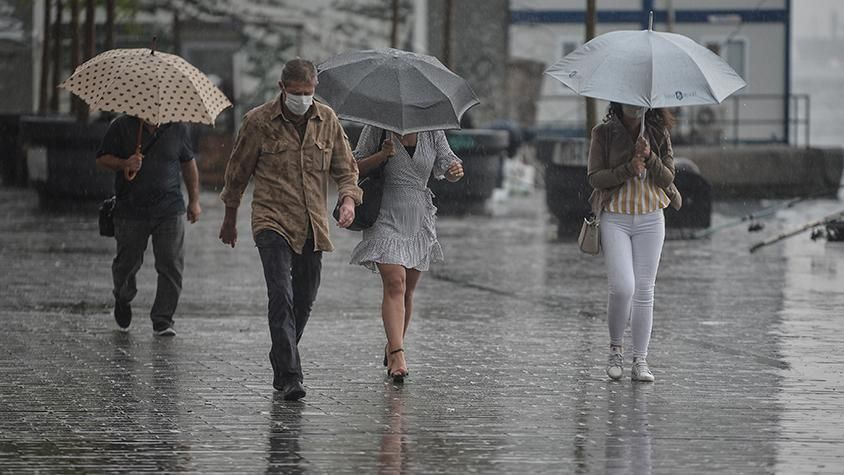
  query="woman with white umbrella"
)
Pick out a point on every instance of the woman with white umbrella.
point(633, 180)
point(631, 166)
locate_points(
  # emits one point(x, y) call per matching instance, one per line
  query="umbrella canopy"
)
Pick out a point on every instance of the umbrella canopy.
point(647, 68)
point(154, 86)
point(395, 90)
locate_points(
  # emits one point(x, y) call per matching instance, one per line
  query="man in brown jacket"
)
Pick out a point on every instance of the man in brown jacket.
point(289, 147)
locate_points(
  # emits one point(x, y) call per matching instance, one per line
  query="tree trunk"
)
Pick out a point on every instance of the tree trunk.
point(90, 30)
point(109, 27)
point(75, 103)
point(177, 33)
point(394, 32)
point(44, 80)
point(449, 9)
point(591, 108)
point(57, 57)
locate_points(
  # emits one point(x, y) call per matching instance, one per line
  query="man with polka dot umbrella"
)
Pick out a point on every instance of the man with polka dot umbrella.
point(156, 94)
point(154, 86)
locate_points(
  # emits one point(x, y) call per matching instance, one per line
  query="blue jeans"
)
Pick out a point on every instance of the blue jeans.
point(292, 283)
point(168, 246)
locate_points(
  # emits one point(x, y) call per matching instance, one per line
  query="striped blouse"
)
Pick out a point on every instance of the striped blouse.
point(638, 196)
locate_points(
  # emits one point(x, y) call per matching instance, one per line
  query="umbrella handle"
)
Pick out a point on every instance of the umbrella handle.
point(131, 174)
point(642, 126)
point(642, 134)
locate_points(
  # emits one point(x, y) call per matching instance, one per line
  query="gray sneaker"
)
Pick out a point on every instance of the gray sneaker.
point(640, 371)
point(615, 365)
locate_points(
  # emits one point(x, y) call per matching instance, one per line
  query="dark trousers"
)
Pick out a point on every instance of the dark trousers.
point(292, 283)
point(168, 240)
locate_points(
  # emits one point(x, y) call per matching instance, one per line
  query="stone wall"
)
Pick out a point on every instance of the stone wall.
point(769, 171)
point(479, 50)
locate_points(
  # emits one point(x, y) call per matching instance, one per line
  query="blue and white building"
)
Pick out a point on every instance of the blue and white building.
point(753, 36)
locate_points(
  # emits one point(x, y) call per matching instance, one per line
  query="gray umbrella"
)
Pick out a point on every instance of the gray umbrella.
point(396, 90)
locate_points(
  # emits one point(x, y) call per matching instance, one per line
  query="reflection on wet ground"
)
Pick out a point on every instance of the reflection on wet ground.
point(506, 355)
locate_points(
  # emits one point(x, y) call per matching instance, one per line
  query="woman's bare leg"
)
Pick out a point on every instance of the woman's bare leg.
point(412, 280)
point(394, 280)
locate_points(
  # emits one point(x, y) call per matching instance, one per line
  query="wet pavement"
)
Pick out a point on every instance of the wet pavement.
point(506, 353)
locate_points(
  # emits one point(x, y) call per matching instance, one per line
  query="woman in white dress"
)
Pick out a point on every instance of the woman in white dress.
point(403, 241)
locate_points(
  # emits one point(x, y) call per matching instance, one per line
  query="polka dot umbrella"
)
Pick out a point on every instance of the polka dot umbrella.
point(154, 86)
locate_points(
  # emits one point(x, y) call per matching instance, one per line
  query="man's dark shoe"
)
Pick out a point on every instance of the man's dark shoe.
point(292, 391)
point(165, 331)
point(122, 315)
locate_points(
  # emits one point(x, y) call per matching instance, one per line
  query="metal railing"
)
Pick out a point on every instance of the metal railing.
point(740, 119)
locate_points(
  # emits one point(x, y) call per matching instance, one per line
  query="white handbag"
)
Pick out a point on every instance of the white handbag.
point(589, 240)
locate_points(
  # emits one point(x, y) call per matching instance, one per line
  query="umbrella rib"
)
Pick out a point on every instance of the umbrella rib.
point(651, 72)
point(703, 72)
point(97, 100)
point(431, 81)
point(580, 90)
point(186, 76)
point(159, 73)
point(358, 83)
point(212, 113)
point(398, 85)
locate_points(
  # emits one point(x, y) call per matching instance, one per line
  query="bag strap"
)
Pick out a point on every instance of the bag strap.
point(378, 147)
point(608, 134)
point(158, 132)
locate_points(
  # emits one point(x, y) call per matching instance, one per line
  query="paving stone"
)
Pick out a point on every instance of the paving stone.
point(506, 353)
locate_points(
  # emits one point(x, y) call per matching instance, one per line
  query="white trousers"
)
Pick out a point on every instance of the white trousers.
point(632, 246)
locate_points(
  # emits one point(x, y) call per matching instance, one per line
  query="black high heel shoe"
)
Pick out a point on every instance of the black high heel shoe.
point(397, 376)
point(385, 354)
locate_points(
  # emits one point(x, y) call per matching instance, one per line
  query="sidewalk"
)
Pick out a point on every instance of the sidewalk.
point(506, 353)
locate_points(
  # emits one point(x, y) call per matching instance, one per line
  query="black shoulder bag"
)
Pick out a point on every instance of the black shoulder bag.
point(373, 188)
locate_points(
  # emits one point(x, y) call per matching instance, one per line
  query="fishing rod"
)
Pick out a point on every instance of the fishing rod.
point(753, 217)
point(812, 224)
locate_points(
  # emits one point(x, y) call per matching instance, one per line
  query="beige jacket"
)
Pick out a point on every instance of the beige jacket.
point(290, 174)
point(609, 163)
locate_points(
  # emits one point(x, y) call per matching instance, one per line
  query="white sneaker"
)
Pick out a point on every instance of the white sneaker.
point(640, 371)
point(615, 364)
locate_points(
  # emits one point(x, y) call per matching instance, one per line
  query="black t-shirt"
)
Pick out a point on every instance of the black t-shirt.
point(156, 190)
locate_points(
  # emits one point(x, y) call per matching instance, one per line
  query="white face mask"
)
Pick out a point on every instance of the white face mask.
point(298, 104)
point(633, 111)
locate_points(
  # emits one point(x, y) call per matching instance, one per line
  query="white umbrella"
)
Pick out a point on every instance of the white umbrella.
point(647, 68)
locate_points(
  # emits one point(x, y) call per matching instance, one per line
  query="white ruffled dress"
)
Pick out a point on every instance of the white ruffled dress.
point(405, 231)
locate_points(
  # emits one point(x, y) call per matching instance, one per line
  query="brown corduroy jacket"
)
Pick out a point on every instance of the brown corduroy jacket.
point(609, 163)
point(290, 174)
